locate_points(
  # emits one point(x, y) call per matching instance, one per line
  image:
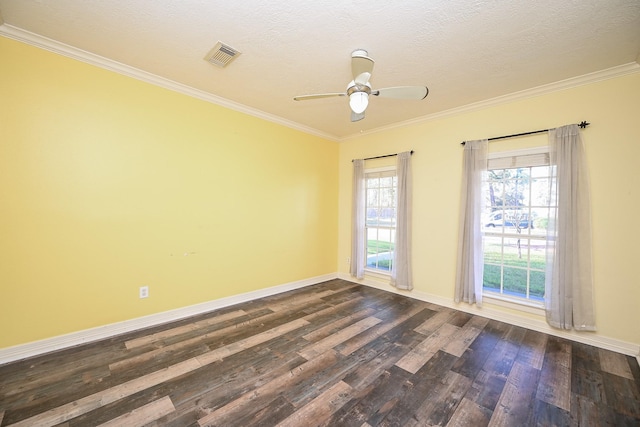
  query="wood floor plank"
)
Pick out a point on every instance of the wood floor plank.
point(44, 372)
point(475, 356)
point(279, 409)
point(373, 333)
point(490, 381)
point(546, 414)
point(261, 396)
point(147, 356)
point(432, 324)
point(337, 325)
point(588, 384)
point(443, 400)
point(228, 350)
point(321, 408)
point(149, 339)
point(460, 318)
point(425, 382)
point(86, 404)
point(143, 415)
point(584, 411)
point(469, 413)
point(486, 389)
point(346, 306)
point(420, 355)
point(533, 348)
point(555, 379)
point(343, 369)
point(218, 387)
point(437, 407)
point(366, 366)
point(51, 393)
point(487, 361)
point(465, 336)
point(331, 354)
point(515, 406)
point(96, 400)
point(339, 337)
point(342, 295)
point(351, 413)
point(585, 357)
point(388, 389)
point(623, 395)
point(131, 362)
point(515, 334)
point(298, 301)
point(386, 354)
point(615, 363)
point(224, 379)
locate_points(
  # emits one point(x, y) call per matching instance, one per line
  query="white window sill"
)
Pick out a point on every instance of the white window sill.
point(532, 307)
point(377, 274)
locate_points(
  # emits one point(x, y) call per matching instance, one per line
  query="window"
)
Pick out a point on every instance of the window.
point(380, 223)
point(516, 190)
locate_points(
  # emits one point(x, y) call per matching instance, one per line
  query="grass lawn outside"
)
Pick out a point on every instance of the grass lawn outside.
point(510, 265)
point(375, 247)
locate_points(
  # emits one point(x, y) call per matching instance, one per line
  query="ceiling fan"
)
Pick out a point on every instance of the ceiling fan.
point(359, 89)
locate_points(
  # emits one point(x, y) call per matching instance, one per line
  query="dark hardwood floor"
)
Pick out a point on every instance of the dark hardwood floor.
point(335, 354)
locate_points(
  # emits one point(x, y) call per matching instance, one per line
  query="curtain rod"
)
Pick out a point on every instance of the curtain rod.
point(583, 124)
point(386, 155)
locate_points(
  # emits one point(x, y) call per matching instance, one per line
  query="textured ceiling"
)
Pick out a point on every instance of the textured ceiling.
point(465, 51)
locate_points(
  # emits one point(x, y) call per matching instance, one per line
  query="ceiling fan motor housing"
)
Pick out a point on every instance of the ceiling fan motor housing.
point(355, 87)
point(359, 52)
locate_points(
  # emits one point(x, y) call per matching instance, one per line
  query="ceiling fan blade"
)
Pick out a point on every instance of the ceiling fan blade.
point(361, 63)
point(317, 96)
point(402, 92)
point(363, 78)
point(355, 116)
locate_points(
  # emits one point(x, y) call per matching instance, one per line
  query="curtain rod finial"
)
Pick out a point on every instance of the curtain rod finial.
point(583, 124)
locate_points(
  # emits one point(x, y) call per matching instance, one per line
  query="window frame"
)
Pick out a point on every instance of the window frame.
point(538, 156)
point(367, 172)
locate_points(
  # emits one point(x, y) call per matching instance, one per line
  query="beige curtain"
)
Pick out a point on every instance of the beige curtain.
point(470, 259)
point(569, 281)
point(356, 268)
point(401, 266)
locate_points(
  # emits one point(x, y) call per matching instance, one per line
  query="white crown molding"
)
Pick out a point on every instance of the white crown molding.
point(36, 348)
point(590, 338)
point(609, 73)
point(126, 70)
point(33, 39)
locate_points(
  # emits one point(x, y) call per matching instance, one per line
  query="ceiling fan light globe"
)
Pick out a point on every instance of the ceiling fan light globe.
point(358, 102)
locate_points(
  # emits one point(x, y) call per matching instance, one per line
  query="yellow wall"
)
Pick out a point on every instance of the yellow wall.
point(106, 182)
point(613, 150)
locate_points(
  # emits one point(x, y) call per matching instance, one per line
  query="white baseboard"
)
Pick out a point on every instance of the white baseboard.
point(590, 338)
point(36, 348)
point(23, 351)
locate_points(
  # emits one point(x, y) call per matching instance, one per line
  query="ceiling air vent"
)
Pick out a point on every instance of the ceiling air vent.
point(221, 55)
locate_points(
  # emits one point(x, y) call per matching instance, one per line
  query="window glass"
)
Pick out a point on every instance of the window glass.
point(380, 219)
point(514, 230)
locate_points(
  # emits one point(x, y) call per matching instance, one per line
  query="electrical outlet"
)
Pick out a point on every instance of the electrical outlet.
point(144, 291)
point(348, 261)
